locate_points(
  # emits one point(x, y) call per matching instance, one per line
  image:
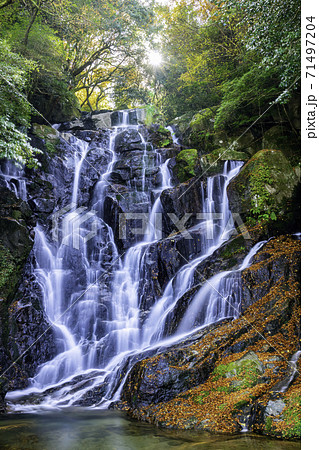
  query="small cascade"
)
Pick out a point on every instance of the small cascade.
point(173, 134)
point(92, 294)
point(219, 298)
point(292, 371)
point(14, 179)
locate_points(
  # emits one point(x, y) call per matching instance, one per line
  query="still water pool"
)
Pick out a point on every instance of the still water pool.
point(109, 430)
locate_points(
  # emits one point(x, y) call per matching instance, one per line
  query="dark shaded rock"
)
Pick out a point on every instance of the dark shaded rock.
point(285, 139)
point(163, 376)
point(159, 136)
point(128, 140)
point(184, 202)
point(162, 261)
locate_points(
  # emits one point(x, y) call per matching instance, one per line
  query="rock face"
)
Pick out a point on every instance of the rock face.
point(22, 320)
point(224, 379)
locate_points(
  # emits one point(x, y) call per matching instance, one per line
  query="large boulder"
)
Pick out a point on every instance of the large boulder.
point(265, 189)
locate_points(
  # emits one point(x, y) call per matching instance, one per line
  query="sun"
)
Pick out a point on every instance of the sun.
point(155, 58)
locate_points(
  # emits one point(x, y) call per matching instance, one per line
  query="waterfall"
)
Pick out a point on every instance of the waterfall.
point(14, 179)
point(100, 336)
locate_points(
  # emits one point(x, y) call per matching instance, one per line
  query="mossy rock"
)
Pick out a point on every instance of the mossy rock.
point(187, 164)
point(7, 270)
point(182, 122)
point(213, 162)
point(160, 136)
point(265, 187)
point(203, 120)
point(50, 136)
point(243, 373)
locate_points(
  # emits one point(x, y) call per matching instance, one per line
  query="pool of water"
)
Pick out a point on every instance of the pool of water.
point(109, 430)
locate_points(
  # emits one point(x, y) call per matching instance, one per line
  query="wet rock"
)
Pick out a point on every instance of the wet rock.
point(162, 261)
point(184, 202)
point(128, 140)
point(274, 266)
point(274, 408)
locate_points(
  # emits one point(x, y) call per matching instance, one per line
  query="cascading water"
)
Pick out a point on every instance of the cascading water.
point(14, 179)
point(98, 341)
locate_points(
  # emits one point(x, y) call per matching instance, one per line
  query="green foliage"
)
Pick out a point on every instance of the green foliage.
point(14, 77)
point(244, 96)
point(15, 110)
point(14, 144)
point(268, 424)
point(274, 34)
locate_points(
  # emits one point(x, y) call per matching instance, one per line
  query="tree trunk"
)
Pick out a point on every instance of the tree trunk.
point(33, 17)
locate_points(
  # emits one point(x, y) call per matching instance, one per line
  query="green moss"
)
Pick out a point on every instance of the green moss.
point(240, 404)
point(186, 162)
point(200, 399)
point(292, 417)
point(213, 162)
point(182, 122)
point(244, 372)
point(268, 424)
point(7, 269)
point(232, 250)
point(203, 120)
point(49, 135)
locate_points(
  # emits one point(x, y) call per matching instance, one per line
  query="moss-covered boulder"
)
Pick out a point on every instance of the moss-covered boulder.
point(201, 130)
point(212, 163)
point(187, 164)
point(265, 189)
point(182, 122)
point(204, 119)
point(160, 136)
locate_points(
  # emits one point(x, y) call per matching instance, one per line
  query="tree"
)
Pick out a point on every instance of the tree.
point(273, 33)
